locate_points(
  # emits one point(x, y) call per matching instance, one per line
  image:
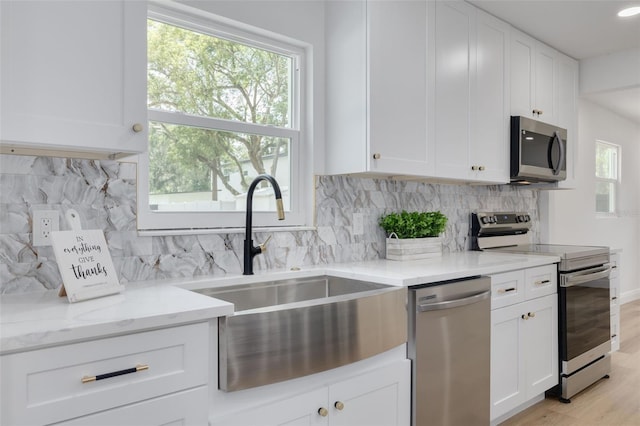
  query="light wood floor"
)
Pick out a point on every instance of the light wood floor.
point(609, 402)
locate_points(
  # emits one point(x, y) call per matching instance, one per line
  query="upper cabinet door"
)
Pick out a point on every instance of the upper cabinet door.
point(534, 79)
point(546, 74)
point(454, 57)
point(397, 71)
point(376, 88)
point(470, 91)
point(522, 74)
point(490, 124)
point(73, 75)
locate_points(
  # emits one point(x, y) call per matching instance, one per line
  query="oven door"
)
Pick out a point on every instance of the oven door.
point(584, 306)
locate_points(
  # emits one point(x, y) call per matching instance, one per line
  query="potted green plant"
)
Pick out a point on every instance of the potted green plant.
point(413, 235)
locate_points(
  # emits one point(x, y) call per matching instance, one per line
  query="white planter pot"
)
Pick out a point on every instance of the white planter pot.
point(413, 248)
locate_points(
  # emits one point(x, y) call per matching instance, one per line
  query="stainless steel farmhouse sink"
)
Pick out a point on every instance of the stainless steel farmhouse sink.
point(291, 328)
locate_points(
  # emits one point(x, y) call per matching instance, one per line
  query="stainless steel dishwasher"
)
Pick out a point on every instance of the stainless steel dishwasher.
point(449, 345)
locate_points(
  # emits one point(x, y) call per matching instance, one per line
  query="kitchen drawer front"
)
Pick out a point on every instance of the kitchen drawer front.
point(45, 386)
point(179, 409)
point(507, 288)
point(541, 281)
point(614, 261)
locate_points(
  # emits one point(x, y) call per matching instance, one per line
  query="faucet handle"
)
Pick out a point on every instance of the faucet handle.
point(263, 246)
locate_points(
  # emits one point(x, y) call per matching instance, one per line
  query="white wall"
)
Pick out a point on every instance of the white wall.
point(571, 213)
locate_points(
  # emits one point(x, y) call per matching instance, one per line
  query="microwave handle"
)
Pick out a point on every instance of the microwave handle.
point(563, 154)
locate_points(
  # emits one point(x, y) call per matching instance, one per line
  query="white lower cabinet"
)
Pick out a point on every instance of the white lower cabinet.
point(182, 408)
point(157, 377)
point(614, 291)
point(378, 397)
point(524, 343)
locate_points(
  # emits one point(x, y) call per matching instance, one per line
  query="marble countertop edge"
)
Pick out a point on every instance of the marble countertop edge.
point(34, 320)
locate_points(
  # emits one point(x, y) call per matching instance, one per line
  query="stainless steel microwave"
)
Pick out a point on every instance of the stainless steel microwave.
point(538, 151)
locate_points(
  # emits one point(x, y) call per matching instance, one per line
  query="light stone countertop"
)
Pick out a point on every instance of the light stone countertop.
point(34, 320)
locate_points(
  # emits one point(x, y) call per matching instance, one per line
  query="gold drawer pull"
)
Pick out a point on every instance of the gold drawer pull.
point(543, 282)
point(506, 290)
point(139, 367)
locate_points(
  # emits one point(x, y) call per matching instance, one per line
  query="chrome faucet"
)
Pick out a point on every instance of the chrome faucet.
point(249, 250)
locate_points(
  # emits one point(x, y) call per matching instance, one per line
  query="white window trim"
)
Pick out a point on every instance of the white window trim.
point(616, 182)
point(301, 185)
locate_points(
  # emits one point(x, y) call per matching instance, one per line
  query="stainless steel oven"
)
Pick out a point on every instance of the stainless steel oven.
point(584, 328)
point(583, 296)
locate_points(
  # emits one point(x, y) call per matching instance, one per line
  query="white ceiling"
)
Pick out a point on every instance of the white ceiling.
point(581, 29)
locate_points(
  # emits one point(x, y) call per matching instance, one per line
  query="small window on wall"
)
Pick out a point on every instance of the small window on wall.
point(607, 177)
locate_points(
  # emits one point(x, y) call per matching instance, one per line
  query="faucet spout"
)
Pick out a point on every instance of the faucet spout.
point(250, 251)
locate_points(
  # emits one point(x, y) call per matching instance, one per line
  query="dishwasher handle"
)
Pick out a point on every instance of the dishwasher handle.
point(453, 303)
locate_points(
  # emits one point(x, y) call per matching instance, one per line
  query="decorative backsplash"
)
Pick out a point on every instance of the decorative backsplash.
point(104, 193)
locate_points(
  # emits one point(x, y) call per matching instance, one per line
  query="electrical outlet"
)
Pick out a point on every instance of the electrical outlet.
point(44, 223)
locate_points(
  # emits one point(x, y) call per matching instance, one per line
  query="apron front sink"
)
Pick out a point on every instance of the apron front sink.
point(291, 328)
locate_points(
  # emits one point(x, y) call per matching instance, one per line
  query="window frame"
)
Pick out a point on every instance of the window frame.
point(228, 221)
point(615, 181)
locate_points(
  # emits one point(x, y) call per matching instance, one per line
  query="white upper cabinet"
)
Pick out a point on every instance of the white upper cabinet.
point(470, 128)
point(534, 79)
point(376, 81)
point(568, 75)
point(73, 75)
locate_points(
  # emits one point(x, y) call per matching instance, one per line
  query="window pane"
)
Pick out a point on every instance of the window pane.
point(605, 197)
point(195, 169)
point(606, 161)
point(207, 76)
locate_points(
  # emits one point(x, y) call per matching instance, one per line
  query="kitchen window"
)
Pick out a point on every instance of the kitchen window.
point(607, 177)
point(224, 105)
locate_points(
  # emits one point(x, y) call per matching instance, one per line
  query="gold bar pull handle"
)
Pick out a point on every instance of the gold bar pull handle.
point(139, 367)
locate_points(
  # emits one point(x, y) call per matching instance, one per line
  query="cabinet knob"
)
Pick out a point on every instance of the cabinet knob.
point(376, 156)
point(540, 112)
point(137, 127)
point(481, 168)
point(524, 317)
point(323, 412)
point(474, 168)
point(339, 405)
point(531, 314)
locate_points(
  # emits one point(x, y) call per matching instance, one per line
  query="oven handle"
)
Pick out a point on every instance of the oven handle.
point(569, 280)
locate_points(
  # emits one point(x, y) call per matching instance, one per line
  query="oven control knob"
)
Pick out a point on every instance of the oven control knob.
point(527, 218)
point(494, 219)
point(485, 220)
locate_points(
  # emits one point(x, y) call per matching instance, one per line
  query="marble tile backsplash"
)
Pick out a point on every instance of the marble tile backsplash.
point(104, 193)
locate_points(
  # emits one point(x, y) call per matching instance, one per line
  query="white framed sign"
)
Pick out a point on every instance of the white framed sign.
point(85, 264)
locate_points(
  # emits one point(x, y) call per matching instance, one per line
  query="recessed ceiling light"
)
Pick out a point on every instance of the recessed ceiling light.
point(630, 11)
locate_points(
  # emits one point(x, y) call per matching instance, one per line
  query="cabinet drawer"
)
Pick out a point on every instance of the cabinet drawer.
point(46, 386)
point(507, 288)
point(614, 261)
point(615, 298)
point(180, 409)
point(541, 281)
